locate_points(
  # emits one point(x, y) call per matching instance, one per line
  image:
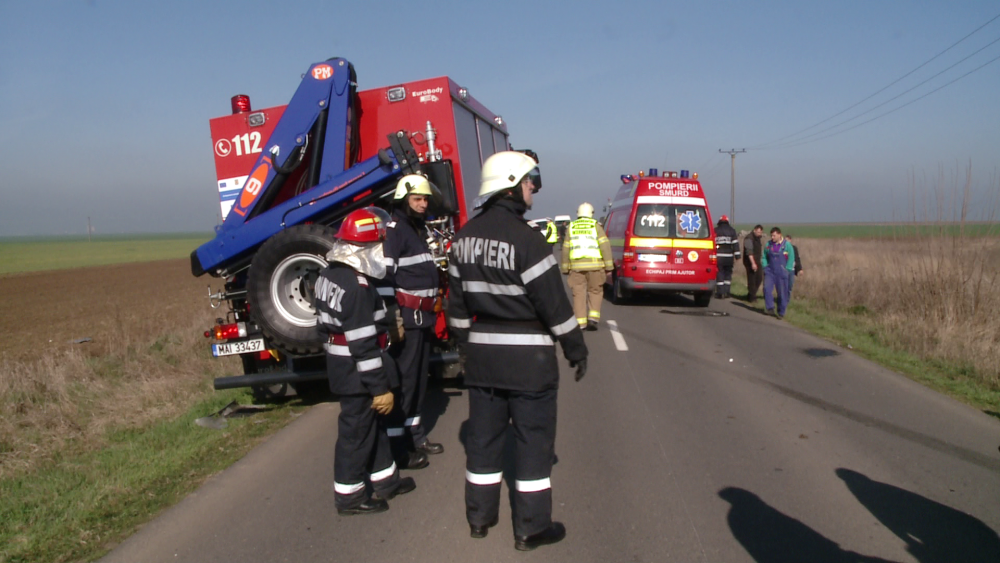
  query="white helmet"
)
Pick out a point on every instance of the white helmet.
point(505, 170)
point(414, 184)
point(585, 210)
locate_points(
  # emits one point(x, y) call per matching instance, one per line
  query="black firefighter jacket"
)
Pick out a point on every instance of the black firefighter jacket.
point(410, 268)
point(727, 244)
point(351, 311)
point(507, 303)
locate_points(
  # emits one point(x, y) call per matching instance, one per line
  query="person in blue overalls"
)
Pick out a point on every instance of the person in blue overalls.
point(778, 261)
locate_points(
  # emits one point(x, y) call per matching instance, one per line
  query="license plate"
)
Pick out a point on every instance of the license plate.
point(242, 347)
point(652, 258)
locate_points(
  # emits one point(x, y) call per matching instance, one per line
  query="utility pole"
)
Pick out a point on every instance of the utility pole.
point(732, 185)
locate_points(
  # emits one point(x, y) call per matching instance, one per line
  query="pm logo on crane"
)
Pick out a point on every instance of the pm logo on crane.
point(322, 72)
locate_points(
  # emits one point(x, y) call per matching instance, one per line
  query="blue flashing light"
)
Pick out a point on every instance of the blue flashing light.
point(653, 172)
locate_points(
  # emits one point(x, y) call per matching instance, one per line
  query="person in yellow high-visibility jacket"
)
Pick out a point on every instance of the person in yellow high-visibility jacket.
point(586, 256)
point(551, 233)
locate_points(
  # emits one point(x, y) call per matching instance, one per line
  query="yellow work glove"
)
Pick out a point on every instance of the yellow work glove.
point(383, 403)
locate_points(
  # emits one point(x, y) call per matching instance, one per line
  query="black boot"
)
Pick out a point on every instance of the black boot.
point(373, 505)
point(415, 460)
point(553, 534)
point(430, 448)
point(480, 532)
point(406, 484)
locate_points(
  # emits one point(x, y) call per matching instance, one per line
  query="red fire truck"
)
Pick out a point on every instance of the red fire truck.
point(287, 175)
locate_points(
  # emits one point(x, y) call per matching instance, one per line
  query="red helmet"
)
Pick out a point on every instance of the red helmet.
point(364, 226)
point(724, 218)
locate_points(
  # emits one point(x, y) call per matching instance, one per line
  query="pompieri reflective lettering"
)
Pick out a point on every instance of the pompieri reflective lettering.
point(487, 252)
point(673, 189)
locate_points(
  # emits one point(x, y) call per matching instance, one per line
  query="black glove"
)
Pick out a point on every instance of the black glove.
point(581, 368)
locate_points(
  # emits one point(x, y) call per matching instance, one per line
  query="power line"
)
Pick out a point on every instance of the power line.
point(894, 82)
point(795, 142)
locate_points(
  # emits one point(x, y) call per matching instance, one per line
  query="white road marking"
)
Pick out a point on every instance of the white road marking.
point(617, 337)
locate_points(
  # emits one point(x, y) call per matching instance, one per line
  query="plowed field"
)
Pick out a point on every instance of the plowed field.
point(45, 311)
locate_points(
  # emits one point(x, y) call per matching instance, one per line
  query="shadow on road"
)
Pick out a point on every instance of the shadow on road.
point(749, 307)
point(435, 404)
point(933, 532)
point(770, 536)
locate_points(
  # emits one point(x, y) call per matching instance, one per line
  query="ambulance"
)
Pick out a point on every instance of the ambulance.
point(662, 237)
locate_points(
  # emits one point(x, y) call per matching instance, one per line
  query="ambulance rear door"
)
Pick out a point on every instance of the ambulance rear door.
point(693, 246)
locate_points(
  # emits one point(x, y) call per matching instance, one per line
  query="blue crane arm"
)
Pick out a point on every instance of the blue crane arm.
point(232, 245)
point(320, 110)
point(325, 91)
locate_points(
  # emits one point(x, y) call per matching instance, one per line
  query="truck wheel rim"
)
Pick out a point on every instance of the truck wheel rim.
point(292, 288)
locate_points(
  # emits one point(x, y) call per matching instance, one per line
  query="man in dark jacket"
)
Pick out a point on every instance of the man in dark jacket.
point(797, 269)
point(727, 250)
point(753, 250)
point(411, 271)
point(507, 305)
point(359, 370)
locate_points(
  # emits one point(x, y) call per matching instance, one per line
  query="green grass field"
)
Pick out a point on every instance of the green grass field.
point(35, 254)
point(879, 230)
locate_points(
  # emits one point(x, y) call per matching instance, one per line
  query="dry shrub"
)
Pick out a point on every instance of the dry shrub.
point(936, 296)
point(148, 362)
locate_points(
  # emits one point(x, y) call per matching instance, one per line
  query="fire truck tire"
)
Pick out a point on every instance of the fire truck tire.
point(280, 287)
point(619, 294)
point(702, 298)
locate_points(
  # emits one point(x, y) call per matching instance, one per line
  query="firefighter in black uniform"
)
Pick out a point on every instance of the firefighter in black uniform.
point(727, 251)
point(359, 369)
point(411, 271)
point(507, 305)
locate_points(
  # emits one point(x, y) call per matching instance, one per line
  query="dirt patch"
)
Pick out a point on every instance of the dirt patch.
point(41, 312)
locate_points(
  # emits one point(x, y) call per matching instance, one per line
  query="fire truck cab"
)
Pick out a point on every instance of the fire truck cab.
point(662, 237)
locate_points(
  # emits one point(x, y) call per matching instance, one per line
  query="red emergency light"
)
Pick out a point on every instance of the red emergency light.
point(241, 103)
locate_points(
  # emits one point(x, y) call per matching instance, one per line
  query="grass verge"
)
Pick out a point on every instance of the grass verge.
point(79, 505)
point(853, 329)
point(56, 253)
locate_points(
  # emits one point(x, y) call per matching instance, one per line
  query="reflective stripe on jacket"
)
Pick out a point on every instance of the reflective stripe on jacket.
point(410, 267)
point(352, 313)
point(727, 244)
point(508, 303)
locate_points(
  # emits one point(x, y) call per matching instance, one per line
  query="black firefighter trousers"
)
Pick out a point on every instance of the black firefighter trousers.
point(362, 456)
point(412, 357)
point(532, 415)
point(724, 280)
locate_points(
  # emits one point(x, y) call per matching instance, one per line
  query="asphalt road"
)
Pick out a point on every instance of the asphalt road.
point(718, 435)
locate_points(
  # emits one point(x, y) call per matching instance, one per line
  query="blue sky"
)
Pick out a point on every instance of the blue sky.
point(104, 105)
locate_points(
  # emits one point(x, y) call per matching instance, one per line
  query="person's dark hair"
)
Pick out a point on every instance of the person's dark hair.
point(776, 230)
point(761, 227)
